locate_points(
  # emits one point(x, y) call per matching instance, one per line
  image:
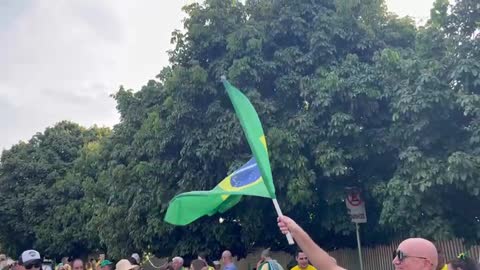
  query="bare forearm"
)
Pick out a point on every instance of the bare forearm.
point(317, 256)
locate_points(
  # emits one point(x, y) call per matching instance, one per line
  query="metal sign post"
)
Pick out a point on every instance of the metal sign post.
point(356, 210)
point(359, 246)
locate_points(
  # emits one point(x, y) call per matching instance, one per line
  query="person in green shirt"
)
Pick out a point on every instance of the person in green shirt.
point(267, 263)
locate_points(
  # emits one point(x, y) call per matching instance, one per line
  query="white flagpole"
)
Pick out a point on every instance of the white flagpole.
point(279, 213)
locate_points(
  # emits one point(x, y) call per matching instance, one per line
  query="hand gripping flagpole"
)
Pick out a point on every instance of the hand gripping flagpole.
point(279, 213)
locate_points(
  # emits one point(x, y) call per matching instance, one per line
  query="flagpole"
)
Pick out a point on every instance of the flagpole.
point(279, 213)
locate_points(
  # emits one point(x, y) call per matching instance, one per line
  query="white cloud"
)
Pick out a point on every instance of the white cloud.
point(62, 59)
point(419, 9)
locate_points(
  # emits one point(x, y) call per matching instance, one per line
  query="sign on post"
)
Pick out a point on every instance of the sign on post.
point(356, 206)
point(356, 210)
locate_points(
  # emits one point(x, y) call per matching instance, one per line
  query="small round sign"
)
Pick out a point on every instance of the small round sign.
point(354, 198)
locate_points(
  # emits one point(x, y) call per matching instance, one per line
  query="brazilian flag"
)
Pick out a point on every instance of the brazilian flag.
point(254, 178)
point(187, 207)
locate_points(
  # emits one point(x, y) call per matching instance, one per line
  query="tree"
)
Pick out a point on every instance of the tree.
point(434, 189)
point(310, 73)
point(39, 206)
point(349, 95)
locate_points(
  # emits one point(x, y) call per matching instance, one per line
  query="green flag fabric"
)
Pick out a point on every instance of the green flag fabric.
point(254, 178)
point(253, 131)
point(188, 207)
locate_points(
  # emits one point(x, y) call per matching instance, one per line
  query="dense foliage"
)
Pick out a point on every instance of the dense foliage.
point(349, 95)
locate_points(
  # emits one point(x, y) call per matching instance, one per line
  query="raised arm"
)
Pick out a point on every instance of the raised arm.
point(317, 256)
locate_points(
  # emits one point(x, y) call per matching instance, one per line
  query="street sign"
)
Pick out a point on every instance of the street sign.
point(356, 206)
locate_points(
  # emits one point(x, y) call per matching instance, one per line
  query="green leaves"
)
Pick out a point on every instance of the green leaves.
point(348, 95)
point(42, 187)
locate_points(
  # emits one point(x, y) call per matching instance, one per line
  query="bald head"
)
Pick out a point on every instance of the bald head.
point(418, 253)
point(227, 253)
point(227, 257)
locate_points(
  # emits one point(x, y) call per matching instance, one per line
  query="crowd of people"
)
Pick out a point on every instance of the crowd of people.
point(411, 254)
point(31, 260)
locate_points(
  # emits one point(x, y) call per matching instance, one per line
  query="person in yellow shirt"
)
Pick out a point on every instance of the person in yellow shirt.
point(203, 256)
point(302, 262)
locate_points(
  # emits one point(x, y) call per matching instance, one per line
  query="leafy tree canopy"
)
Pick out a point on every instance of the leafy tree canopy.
point(349, 95)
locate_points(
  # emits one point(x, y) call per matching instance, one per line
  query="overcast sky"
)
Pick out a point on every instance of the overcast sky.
point(61, 59)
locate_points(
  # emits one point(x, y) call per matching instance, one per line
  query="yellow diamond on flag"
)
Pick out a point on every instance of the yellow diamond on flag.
point(263, 140)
